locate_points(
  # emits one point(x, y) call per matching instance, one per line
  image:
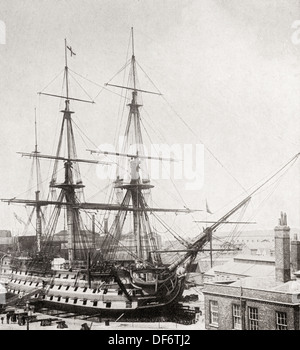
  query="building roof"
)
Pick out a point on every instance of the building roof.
point(246, 265)
point(289, 287)
point(260, 259)
point(234, 268)
point(205, 265)
point(261, 282)
point(270, 284)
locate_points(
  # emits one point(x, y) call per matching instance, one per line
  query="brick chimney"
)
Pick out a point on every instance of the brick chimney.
point(295, 254)
point(282, 250)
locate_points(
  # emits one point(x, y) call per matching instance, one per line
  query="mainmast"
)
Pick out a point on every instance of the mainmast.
point(37, 192)
point(138, 183)
point(70, 193)
point(68, 187)
point(135, 178)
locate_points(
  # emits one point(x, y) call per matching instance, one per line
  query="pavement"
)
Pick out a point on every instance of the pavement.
point(75, 324)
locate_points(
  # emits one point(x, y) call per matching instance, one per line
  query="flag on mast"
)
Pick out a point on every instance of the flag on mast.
point(72, 52)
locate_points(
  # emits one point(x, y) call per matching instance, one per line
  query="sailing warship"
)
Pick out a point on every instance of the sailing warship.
point(109, 276)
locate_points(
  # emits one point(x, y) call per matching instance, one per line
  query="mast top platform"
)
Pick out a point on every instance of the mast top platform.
point(134, 186)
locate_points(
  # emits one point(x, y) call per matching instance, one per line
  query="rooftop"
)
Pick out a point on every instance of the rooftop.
point(265, 283)
point(246, 266)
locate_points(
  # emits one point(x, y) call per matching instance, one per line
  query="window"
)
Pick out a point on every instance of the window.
point(84, 302)
point(58, 298)
point(95, 303)
point(67, 287)
point(253, 318)
point(67, 300)
point(59, 287)
point(108, 304)
point(75, 289)
point(75, 301)
point(236, 316)
point(128, 304)
point(84, 289)
point(281, 320)
point(51, 297)
point(213, 312)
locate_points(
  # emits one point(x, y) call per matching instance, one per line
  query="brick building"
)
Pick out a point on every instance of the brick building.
point(251, 303)
point(260, 302)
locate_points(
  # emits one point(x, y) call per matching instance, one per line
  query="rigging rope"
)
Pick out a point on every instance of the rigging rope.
point(275, 184)
point(71, 75)
point(193, 132)
point(53, 80)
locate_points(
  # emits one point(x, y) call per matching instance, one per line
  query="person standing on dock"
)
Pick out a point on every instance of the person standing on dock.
point(7, 318)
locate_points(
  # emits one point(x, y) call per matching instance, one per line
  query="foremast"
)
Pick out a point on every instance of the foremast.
point(71, 186)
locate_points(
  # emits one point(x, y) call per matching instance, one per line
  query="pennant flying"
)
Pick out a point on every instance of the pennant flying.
point(72, 52)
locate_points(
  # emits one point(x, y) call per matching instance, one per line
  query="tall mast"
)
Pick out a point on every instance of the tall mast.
point(71, 185)
point(70, 193)
point(66, 70)
point(133, 60)
point(37, 192)
point(68, 186)
point(134, 112)
point(138, 179)
point(36, 153)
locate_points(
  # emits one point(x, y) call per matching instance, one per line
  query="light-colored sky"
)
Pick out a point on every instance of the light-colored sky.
point(228, 67)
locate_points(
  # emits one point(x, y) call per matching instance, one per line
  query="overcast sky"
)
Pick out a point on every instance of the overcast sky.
point(229, 68)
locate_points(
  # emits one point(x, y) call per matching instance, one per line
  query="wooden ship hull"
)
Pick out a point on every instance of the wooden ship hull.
point(107, 293)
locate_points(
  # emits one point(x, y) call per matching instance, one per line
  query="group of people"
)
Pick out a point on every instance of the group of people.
point(14, 318)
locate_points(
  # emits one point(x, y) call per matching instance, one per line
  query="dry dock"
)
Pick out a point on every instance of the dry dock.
point(47, 322)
